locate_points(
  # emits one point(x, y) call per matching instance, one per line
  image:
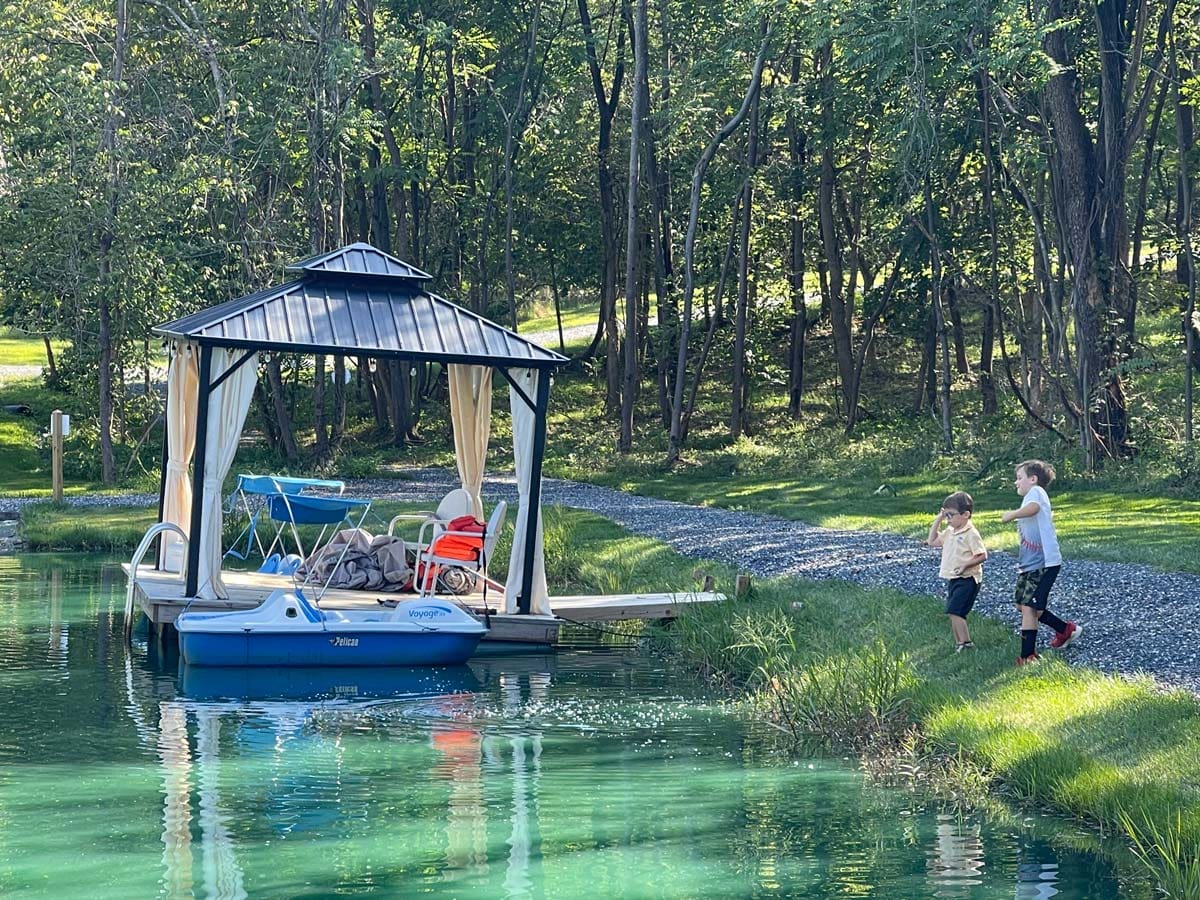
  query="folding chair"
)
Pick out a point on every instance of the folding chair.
point(264, 489)
point(457, 502)
point(465, 549)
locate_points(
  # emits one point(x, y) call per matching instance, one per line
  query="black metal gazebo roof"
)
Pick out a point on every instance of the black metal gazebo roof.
point(360, 301)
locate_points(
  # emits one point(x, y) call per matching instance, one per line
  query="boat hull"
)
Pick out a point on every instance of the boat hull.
point(326, 648)
point(287, 630)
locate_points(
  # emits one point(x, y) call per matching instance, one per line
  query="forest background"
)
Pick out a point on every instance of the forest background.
point(899, 245)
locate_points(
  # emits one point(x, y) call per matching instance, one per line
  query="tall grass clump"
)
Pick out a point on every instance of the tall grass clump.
point(1167, 850)
point(855, 701)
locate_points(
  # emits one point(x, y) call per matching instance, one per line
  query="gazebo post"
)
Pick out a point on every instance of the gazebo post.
point(193, 557)
point(525, 600)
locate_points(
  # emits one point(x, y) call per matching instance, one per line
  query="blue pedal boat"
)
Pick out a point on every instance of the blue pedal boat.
point(287, 630)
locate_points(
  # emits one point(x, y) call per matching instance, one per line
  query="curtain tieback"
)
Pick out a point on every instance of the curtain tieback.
point(176, 468)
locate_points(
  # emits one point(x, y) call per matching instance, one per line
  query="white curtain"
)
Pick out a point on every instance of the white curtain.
point(183, 379)
point(471, 415)
point(524, 421)
point(227, 407)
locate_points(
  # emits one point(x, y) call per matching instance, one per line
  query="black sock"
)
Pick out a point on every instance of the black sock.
point(1049, 618)
point(1028, 642)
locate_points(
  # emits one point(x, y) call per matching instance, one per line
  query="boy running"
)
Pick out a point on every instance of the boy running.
point(963, 554)
point(1038, 560)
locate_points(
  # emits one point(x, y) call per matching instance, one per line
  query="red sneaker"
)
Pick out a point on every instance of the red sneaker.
point(1069, 634)
point(1028, 660)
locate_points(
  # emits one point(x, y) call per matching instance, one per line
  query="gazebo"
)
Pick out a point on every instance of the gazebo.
point(356, 301)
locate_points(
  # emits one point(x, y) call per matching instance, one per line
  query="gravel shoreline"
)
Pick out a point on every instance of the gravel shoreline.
point(1101, 595)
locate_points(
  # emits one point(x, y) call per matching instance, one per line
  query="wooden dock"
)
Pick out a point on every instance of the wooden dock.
point(160, 595)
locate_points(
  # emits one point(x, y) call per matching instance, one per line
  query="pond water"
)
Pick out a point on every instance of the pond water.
point(585, 773)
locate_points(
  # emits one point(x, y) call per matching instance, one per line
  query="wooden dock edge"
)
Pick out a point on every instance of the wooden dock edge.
point(159, 596)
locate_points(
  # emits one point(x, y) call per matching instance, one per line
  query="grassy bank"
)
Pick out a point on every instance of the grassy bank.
point(1119, 753)
point(111, 529)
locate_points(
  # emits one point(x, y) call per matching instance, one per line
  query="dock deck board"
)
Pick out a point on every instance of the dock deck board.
point(161, 597)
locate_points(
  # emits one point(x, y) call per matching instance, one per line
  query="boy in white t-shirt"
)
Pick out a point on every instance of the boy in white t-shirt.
point(1038, 559)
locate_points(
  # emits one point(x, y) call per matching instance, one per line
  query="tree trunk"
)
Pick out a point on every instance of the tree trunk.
point(841, 313)
point(632, 257)
point(960, 341)
point(1185, 139)
point(287, 439)
point(562, 344)
point(1101, 402)
point(337, 429)
point(987, 384)
point(270, 426)
point(320, 428)
point(675, 443)
point(107, 290)
point(738, 399)
point(606, 327)
point(939, 319)
point(51, 369)
point(1091, 200)
point(511, 123)
point(797, 158)
point(381, 397)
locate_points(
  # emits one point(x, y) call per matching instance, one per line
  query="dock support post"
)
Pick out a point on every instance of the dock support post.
point(524, 601)
point(193, 557)
point(56, 455)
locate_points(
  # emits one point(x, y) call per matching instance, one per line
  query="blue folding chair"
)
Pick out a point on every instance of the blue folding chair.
point(254, 494)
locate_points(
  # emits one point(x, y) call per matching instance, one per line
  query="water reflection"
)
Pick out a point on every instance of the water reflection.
point(284, 717)
point(956, 859)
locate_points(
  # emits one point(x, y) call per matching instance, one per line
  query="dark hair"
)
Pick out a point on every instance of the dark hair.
point(959, 501)
point(1042, 471)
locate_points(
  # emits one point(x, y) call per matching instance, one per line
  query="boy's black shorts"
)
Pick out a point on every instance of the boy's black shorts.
point(960, 596)
point(1033, 587)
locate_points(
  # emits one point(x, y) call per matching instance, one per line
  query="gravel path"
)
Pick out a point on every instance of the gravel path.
point(1113, 600)
point(9, 371)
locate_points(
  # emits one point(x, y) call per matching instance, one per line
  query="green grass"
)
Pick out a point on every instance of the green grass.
point(115, 529)
point(24, 455)
point(544, 320)
point(19, 349)
point(1092, 745)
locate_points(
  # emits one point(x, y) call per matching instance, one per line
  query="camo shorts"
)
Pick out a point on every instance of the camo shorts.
point(1033, 587)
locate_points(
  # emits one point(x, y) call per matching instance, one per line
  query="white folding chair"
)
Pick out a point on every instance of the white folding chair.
point(457, 502)
point(430, 563)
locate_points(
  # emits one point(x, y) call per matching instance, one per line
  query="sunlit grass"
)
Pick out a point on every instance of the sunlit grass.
point(543, 319)
point(19, 349)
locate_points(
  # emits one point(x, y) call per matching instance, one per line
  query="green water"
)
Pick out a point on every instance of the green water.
point(586, 773)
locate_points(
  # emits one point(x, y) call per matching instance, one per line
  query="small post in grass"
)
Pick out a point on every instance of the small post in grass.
point(742, 587)
point(56, 454)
